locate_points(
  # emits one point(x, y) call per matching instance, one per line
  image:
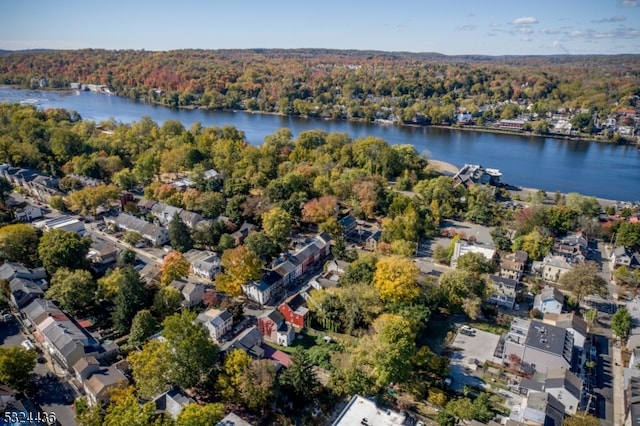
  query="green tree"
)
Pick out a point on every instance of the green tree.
point(174, 266)
point(459, 285)
point(262, 245)
point(16, 365)
point(62, 249)
point(480, 205)
point(5, 189)
point(257, 387)
point(501, 239)
point(74, 290)
point(57, 202)
point(166, 301)
point(200, 415)
point(475, 263)
point(240, 265)
point(130, 298)
point(90, 198)
point(587, 206)
point(299, 381)
point(142, 327)
point(534, 243)
point(192, 356)
point(277, 223)
point(396, 279)
point(132, 237)
point(125, 410)
point(621, 323)
point(179, 234)
point(19, 243)
point(150, 368)
point(211, 204)
point(584, 280)
point(581, 419)
point(628, 235)
point(87, 415)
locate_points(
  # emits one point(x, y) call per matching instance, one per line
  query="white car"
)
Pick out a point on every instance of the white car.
point(28, 345)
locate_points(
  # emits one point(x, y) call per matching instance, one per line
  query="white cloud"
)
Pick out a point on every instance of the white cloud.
point(629, 3)
point(525, 30)
point(527, 20)
point(468, 27)
point(560, 46)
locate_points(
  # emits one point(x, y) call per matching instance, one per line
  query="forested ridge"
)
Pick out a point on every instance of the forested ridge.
point(340, 84)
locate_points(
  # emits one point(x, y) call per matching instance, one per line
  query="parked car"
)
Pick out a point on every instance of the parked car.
point(28, 345)
point(467, 331)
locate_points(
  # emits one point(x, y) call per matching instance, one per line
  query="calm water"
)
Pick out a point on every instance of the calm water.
point(601, 170)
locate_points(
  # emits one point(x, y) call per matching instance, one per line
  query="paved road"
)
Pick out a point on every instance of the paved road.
point(603, 388)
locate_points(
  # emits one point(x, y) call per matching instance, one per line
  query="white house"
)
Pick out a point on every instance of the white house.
point(462, 247)
point(550, 300)
point(216, 322)
point(205, 264)
point(29, 213)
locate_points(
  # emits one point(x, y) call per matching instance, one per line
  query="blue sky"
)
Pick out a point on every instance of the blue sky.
point(491, 27)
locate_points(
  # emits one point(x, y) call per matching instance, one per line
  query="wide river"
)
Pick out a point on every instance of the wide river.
point(598, 169)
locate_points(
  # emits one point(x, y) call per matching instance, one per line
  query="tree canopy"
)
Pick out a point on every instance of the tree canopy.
point(62, 249)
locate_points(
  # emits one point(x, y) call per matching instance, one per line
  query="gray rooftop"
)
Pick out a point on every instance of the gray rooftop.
point(547, 338)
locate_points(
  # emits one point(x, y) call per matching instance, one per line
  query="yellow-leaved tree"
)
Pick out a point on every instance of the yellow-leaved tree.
point(240, 266)
point(396, 279)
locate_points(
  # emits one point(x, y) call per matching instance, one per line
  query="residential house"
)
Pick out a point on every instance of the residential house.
point(566, 387)
point(262, 290)
point(513, 264)
point(97, 381)
point(216, 322)
point(371, 243)
point(274, 328)
point(541, 409)
point(553, 267)
point(504, 291)
point(62, 337)
point(102, 254)
point(632, 402)
point(64, 223)
point(28, 213)
point(286, 269)
point(191, 219)
point(24, 291)
point(572, 246)
point(86, 180)
point(7, 396)
point(233, 419)
point(621, 256)
point(34, 183)
point(11, 270)
point(331, 277)
point(571, 322)
point(463, 247)
point(295, 311)
point(150, 272)
point(474, 174)
point(363, 411)
point(164, 212)
point(154, 234)
point(244, 231)
point(145, 205)
point(250, 341)
point(205, 264)
point(192, 291)
point(172, 402)
point(550, 300)
point(349, 225)
point(537, 346)
point(511, 124)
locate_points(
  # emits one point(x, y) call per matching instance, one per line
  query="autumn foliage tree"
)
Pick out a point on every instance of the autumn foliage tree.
point(396, 279)
point(320, 209)
point(240, 265)
point(174, 266)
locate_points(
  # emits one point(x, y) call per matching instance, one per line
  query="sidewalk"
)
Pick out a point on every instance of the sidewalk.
point(618, 386)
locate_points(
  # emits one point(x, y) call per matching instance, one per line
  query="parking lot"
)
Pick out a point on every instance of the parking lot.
point(471, 352)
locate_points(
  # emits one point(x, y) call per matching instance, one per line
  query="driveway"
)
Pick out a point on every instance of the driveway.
point(470, 352)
